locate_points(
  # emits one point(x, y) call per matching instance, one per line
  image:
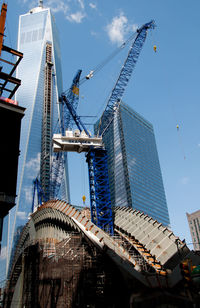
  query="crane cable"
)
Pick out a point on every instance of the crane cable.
point(107, 60)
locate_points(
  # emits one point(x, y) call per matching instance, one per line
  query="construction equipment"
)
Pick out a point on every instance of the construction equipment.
point(58, 158)
point(81, 140)
point(37, 188)
point(57, 166)
point(124, 76)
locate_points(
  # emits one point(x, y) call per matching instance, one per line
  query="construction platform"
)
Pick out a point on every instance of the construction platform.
point(75, 141)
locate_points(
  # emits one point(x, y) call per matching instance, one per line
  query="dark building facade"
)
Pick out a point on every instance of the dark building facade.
point(10, 124)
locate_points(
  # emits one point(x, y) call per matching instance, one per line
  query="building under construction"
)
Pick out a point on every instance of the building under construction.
point(64, 260)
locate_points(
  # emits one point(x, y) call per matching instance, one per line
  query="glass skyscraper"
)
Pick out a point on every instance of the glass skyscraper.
point(134, 170)
point(41, 76)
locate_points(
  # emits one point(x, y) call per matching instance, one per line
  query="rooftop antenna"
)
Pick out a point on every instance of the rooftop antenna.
point(40, 3)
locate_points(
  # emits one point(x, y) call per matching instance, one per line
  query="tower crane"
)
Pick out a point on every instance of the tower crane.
point(81, 140)
point(96, 157)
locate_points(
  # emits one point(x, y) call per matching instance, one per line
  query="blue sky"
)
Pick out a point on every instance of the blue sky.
point(164, 87)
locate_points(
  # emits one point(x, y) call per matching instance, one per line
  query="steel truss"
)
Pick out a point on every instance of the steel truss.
point(100, 200)
point(124, 76)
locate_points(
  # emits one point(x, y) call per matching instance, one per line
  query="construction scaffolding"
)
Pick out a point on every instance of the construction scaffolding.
point(46, 124)
point(70, 273)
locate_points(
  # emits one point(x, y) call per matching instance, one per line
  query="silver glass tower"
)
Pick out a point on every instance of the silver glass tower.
point(134, 171)
point(41, 76)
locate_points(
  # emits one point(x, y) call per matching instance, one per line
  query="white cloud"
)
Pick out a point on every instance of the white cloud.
point(118, 28)
point(81, 2)
point(57, 6)
point(22, 215)
point(67, 7)
point(92, 5)
point(3, 255)
point(28, 194)
point(76, 17)
point(93, 33)
point(134, 27)
point(34, 164)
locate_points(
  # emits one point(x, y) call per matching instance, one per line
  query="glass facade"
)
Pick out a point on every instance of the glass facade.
point(41, 76)
point(134, 169)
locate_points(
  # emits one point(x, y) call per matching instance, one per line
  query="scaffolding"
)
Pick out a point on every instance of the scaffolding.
point(70, 273)
point(46, 123)
point(8, 83)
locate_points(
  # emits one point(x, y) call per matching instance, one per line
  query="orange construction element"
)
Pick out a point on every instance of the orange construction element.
point(2, 24)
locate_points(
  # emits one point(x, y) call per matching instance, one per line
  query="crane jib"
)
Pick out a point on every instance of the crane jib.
point(124, 75)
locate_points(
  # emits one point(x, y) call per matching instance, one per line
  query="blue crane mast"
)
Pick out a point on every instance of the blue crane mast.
point(96, 157)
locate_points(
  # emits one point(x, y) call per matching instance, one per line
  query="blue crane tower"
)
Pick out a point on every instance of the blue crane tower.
point(96, 157)
point(100, 201)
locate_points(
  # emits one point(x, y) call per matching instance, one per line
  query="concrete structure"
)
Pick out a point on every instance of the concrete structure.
point(63, 260)
point(41, 77)
point(134, 170)
point(194, 225)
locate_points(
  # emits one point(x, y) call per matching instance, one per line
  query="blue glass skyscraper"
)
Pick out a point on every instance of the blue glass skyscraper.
point(134, 170)
point(41, 77)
